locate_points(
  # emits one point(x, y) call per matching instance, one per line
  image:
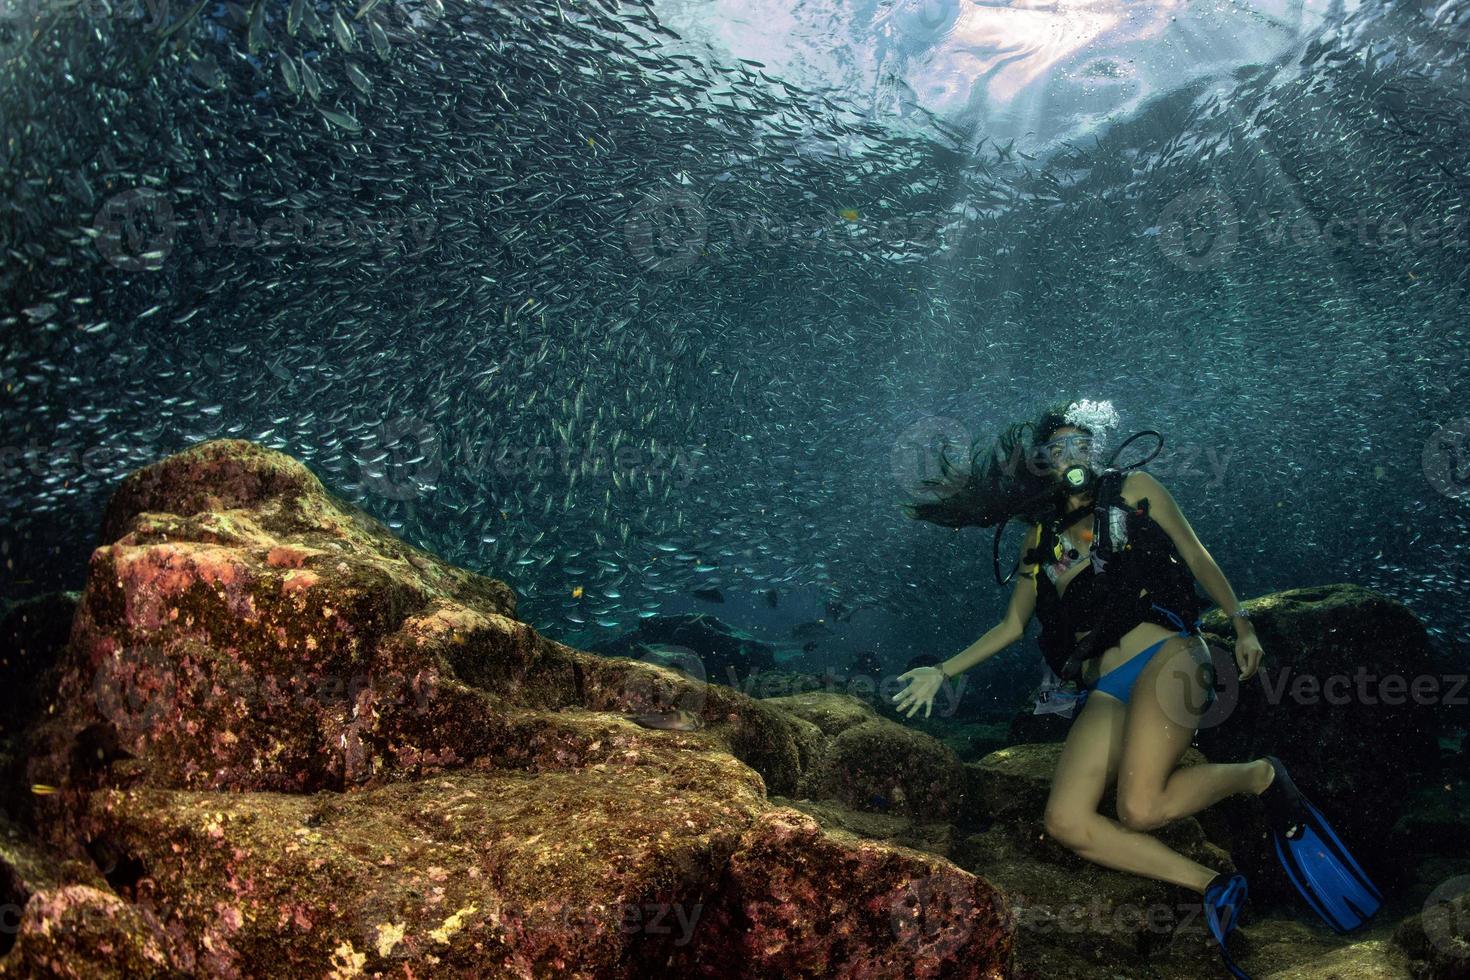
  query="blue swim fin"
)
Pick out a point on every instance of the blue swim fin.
point(1224, 897)
point(1314, 858)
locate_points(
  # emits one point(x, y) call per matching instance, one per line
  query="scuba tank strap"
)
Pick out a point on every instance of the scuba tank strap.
point(1109, 493)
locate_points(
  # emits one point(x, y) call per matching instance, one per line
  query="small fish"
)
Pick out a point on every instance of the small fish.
point(289, 74)
point(670, 721)
point(42, 789)
point(342, 32)
point(709, 595)
point(312, 84)
point(341, 119)
point(379, 37)
point(256, 38)
point(358, 79)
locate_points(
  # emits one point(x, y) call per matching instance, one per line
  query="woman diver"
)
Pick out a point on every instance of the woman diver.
point(1108, 566)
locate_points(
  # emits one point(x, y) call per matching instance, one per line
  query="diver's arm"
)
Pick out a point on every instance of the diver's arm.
point(1164, 511)
point(1011, 627)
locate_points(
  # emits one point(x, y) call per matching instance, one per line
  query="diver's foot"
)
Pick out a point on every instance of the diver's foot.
point(1265, 775)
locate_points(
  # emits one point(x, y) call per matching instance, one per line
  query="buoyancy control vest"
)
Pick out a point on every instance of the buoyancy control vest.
point(1118, 589)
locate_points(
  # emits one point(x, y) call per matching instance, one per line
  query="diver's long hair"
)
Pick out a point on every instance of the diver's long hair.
point(1001, 482)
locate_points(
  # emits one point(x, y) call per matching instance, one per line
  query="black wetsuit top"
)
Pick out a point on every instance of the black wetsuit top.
point(1108, 603)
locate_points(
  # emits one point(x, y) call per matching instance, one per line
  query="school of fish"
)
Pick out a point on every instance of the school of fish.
point(568, 301)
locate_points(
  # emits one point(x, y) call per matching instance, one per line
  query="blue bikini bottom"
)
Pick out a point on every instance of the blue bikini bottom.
point(1120, 680)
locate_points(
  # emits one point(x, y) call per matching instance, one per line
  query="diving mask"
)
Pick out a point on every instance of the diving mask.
point(1077, 446)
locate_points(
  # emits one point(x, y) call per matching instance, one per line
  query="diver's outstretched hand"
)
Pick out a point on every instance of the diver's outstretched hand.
point(1248, 654)
point(924, 683)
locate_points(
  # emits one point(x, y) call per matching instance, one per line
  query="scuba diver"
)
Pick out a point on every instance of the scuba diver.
point(1108, 566)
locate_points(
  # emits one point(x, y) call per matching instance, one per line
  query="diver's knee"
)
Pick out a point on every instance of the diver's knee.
point(1067, 827)
point(1139, 812)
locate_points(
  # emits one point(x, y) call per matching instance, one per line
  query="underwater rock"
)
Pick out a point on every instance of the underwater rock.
point(936, 838)
point(884, 767)
point(416, 781)
point(62, 918)
point(1349, 697)
point(833, 713)
point(1437, 940)
point(1079, 919)
point(726, 655)
point(862, 919)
